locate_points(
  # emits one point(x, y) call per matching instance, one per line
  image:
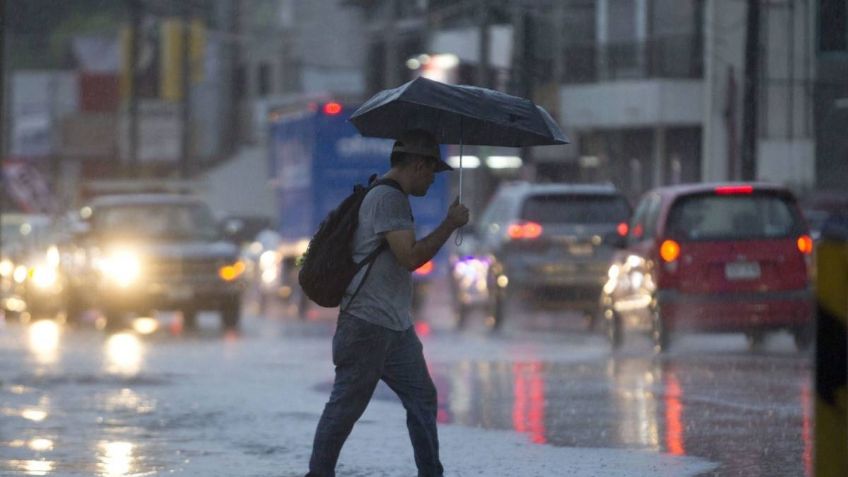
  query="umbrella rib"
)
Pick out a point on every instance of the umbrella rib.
point(454, 111)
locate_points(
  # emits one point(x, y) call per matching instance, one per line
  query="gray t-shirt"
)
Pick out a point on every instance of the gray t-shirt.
point(386, 297)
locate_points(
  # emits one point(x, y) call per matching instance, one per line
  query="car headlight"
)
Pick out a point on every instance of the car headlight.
point(6, 267)
point(43, 276)
point(232, 271)
point(20, 274)
point(121, 266)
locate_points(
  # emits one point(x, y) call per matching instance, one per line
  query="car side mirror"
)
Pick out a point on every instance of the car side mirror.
point(231, 229)
point(615, 240)
point(81, 231)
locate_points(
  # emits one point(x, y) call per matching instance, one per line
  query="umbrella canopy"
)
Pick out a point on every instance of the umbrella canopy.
point(457, 114)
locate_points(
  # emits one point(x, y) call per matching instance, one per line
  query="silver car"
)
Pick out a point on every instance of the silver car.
point(545, 246)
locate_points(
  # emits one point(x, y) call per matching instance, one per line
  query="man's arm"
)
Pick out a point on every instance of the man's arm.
point(413, 253)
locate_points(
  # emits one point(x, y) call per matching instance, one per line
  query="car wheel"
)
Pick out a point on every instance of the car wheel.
point(755, 339)
point(659, 331)
point(462, 312)
point(804, 337)
point(115, 320)
point(231, 315)
point(419, 296)
point(590, 320)
point(73, 308)
point(264, 302)
point(498, 305)
point(189, 318)
point(614, 328)
point(303, 306)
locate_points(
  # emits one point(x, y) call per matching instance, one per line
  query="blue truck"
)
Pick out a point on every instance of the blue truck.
point(316, 156)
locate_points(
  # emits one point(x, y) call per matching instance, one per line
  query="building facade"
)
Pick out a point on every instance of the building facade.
point(650, 91)
point(661, 100)
point(291, 50)
point(831, 95)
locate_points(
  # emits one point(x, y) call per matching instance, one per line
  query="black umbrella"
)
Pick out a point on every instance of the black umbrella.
point(457, 114)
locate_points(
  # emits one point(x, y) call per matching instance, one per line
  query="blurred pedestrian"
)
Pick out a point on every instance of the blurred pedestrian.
point(375, 338)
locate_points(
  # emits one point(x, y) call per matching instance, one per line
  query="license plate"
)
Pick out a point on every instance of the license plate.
point(559, 268)
point(742, 271)
point(179, 293)
point(580, 249)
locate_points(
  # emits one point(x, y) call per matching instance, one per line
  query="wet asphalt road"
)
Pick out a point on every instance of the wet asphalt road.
point(80, 401)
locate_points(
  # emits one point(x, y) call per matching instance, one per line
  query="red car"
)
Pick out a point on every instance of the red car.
point(712, 257)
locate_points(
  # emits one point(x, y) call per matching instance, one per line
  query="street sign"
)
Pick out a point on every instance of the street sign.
point(28, 187)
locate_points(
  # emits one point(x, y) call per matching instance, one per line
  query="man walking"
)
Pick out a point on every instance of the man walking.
point(374, 336)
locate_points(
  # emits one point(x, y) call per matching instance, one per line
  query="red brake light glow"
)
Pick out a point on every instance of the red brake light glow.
point(524, 230)
point(425, 269)
point(622, 229)
point(332, 109)
point(734, 190)
point(422, 328)
point(805, 244)
point(669, 250)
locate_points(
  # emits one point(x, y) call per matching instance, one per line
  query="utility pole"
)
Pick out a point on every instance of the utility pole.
point(185, 142)
point(522, 74)
point(390, 40)
point(2, 117)
point(135, 36)
point(232, 131)
point(751, 90)
point(483, 75)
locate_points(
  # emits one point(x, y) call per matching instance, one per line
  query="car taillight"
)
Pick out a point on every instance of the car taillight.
point(622, 229)
point(229, 273)
point(332, 109)
point(524, 230)
point(669, 250)
point(805, 244)
point(734, 190)
point(425, 269)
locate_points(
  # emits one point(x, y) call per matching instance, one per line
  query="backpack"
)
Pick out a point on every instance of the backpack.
point(328, 267)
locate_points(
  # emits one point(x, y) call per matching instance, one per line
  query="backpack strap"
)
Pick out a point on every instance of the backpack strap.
point(370, 259)
point(373, 182)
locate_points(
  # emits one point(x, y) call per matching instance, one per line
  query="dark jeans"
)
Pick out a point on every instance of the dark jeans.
point(363, 354)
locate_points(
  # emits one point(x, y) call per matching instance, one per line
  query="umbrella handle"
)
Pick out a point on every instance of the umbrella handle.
point(461, 141)
point(457, 240)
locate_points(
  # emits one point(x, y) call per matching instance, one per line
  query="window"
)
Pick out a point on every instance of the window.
point(575, 209)
point(491, 223)
point(240, 83)
point(264, 79)
point(833, 25)
point(156, 220)
point(644, 223)
point(733, 217)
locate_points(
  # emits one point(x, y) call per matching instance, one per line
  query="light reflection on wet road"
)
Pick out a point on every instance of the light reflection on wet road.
point(750, 413)
point(77, 401)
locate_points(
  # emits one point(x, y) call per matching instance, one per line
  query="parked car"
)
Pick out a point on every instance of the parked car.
point(30, 281)
point(146, 252)
point(468, 277)
point(712, 257)
point(541, 246)
point(819, 206)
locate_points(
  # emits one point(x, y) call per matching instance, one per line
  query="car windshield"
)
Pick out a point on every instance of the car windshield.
point(731, 217)
point(174, 221)
point(26, 233)
point(575, 209)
